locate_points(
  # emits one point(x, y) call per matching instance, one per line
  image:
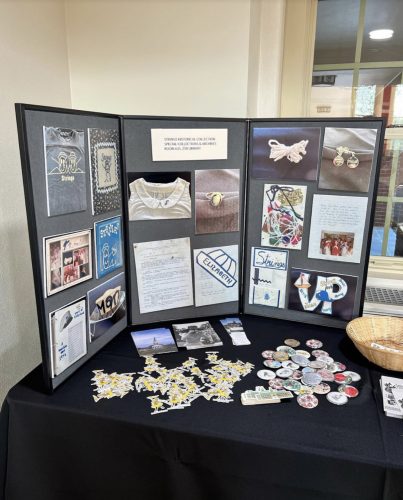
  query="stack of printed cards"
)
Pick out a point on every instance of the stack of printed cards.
point(235, 330)
point(392, 393)
point(196, 335)
point(154, 341)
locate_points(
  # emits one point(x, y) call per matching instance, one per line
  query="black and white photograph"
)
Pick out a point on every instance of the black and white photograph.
point(196, 335)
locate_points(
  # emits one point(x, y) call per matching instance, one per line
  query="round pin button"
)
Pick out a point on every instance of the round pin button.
point(300, 360)
point(355, 377)
point(340, 378)
point(307, 369)
point(322, 388)
point(319, 352)
point(314, 343)
point(297, 375)
point(281, 356)
point(292, 342)
point(276, 383)
point(285, 348)
point(341, 367)
point(337, 398)
point(284, 372)
point(289, 364)
point(325, 359)
point(305, 389)
point(301, 352)
point(308, 401)
point(266, 374)
point(272, 363)
point(268, 354)
point(327, 376)
point(349, 390)
point(291, 385)
point(317, 365)
point(311, 379)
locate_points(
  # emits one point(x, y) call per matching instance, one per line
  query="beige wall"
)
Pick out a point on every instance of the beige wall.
point(162, 57)
point(175, 57)
point(34, 69)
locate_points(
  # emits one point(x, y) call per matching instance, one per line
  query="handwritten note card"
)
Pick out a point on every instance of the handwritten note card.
point(337, 227)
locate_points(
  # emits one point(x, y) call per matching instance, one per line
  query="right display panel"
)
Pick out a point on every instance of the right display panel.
point(309, 211)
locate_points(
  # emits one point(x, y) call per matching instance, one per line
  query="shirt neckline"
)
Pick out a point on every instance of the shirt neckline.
point(174, 190)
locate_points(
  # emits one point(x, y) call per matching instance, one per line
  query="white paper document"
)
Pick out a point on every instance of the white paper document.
point(268, 277)
point(164, 274)
point(173, 144)
point(216, 275)
point(337, 227)
point(68, 336)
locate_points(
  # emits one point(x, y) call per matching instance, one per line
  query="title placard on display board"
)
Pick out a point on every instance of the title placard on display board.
point(136, 220)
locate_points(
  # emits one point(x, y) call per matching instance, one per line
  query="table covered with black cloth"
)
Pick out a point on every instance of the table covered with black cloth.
point(65, 446)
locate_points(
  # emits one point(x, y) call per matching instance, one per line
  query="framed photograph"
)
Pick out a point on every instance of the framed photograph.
point(347, 158)
point(318, 292)
point(106, 305)
point(65, 170)
point(283, 216)
point(108, 246)
point(67, 260)
point(285, 153)
point(105, 173)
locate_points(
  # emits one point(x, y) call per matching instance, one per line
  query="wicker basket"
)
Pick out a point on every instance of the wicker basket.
point(384, 330)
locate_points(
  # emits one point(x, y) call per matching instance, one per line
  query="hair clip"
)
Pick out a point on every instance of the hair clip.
point(216, 198)
point(338, 160)
point(293, 153)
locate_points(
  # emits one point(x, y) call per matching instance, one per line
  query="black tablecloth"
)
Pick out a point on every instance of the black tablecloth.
point(65, 446)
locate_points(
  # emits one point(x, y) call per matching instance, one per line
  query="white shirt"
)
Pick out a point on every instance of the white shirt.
point(155, 200)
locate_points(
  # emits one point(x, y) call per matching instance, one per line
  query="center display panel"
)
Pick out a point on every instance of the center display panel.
point(138, 220)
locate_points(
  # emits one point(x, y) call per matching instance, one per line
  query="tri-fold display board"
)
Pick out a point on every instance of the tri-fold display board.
point(136, 220)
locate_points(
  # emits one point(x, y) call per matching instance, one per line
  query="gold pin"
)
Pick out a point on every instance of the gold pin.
point(216, 198)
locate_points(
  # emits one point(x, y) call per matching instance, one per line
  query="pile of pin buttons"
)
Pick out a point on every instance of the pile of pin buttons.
point(308, 374)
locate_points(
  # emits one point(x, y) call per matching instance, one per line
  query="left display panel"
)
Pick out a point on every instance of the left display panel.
point(72, 172)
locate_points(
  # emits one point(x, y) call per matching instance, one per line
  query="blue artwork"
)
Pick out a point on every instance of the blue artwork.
point(108, 244)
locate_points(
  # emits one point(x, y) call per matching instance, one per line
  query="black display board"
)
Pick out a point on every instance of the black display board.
point(126, 144)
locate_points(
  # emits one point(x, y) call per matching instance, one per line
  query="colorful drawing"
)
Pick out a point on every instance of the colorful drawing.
point(283, 216)
point(108, 243)
point(268, 277)
point(322, 293)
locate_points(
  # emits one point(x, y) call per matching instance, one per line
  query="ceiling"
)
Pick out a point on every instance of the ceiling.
point(336, 31)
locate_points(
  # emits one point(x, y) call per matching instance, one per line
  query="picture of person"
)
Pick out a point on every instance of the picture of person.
point(70, 274)
point(80, 256)
point(54, 250)
point(55, 279)
point(337, 244)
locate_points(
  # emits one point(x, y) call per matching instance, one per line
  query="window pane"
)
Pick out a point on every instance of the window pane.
point(385, 14)
point(336, 29)
point(379, 222)
point(379, 94)
point(332, 100)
